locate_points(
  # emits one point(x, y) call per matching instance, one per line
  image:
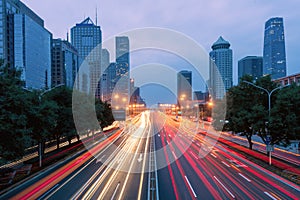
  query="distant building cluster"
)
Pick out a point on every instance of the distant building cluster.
point(273, 61)
point(47, 62)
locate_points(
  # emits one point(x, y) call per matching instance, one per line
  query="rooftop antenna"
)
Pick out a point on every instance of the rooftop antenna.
point(67, 36)
point(96, 16)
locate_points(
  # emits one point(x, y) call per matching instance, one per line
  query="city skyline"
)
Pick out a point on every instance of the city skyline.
point(220, 22)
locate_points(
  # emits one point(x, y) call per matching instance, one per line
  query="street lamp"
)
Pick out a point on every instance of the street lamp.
point(269, 108)
point(268, 92)
point(116, 96)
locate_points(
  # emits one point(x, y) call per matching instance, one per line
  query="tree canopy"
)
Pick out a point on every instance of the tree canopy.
point(247, 110)
point(29, 117)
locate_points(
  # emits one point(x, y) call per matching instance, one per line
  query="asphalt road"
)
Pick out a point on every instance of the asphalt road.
point(157, 157)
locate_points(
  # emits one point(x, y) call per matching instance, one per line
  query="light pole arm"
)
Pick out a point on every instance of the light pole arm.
point(46, 91)
point(269, 93)
point(257, 86)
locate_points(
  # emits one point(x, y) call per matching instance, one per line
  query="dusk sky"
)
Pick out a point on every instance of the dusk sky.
point(239, 22)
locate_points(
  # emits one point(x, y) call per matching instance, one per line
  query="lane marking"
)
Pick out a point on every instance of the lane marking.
point(187, 180)
point(115, 192)
point(225, 164)
point(245, 177)
point(134, 157)
point(174, 155)
point(144, 162)
point(100, 160)
point(237, 163)
point(213, 155)
point(224, 187)
point(48, 192)
point(193, 155)
point(140, 158)
point(270, 196)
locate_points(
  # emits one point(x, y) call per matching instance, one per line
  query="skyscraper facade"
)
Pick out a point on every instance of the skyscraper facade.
point(111, 79)
point(86, 37)
point(251, 65)
point(64, 64)
point(122, 55)
point(108, 76)
point(184, 86)
point(105, 59)
point(123, 66)
point(220, 68)
point(25, 43)
point(274, 58)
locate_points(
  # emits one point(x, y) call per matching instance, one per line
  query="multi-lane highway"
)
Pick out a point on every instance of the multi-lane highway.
point(157, 157)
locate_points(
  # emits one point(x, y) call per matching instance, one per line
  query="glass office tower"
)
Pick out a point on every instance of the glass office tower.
point(64, 63)
point(25, 43)
point(122, 67)
point(86, 37)
point(251, 65)
point(32, 53)
point(274, 58)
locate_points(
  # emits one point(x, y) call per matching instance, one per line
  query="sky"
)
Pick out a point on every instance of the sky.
point(239, 22)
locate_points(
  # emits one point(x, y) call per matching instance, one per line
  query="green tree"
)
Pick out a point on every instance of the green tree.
point(13, 120)
point(64, 123)
point(107, 115)
point(247, 110)
point(285, 116)
point(244, 110)
point(42, 119)
point(90, 114)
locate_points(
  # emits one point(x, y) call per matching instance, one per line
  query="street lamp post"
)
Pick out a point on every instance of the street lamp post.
point(269, 111)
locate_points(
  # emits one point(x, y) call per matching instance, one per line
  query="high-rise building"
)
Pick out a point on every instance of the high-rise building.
point(86, 37)
point(201, 96)
point(108, 82)
point(123, 66)
point(274, 59)
point(64, 63)
point(135, 97)
point(105, 60)
point(220, 68)
point(251, 65)
point(184, 86)
point(25, 43)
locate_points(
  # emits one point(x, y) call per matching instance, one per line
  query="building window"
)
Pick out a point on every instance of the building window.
point(286, 82)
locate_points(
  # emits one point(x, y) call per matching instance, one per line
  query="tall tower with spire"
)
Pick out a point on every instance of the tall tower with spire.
point(220, 68)
point(86, 37)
